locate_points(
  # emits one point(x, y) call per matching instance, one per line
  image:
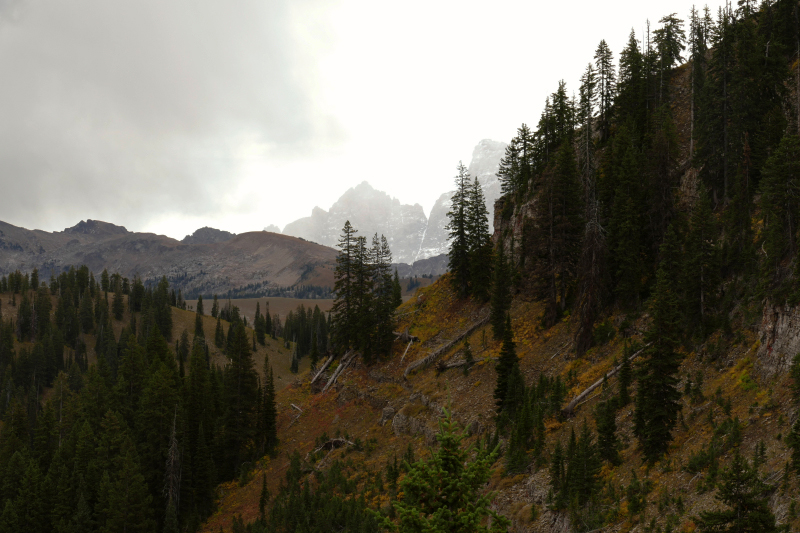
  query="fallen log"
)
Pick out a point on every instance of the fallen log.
point(323, 367)
point(407, 347)
point(339, 370)
point(433, 356)
point(567, 411)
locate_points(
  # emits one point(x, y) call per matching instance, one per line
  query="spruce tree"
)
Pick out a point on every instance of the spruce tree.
point(269, 410)
point(344, 312)
point(507, 364)
point(658, 398)
point(444, 492)
point(607, 441)
point(501, 292)
point(747, 498)
point(458, 231)
point(702, 265)
point(480, 244)
point(556, 242)
point(606, 86)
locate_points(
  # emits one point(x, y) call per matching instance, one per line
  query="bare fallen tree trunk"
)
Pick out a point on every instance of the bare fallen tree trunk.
point(567, 411)
point(297, 417)
point(407, 347)
point(345, 361)
point(323, 367)
point(433, 356)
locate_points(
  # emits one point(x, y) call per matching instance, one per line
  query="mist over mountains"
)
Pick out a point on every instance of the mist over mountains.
point(412, 235)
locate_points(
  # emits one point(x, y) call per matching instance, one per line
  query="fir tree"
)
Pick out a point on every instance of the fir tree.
point(458, 228)
point(607, 441)
point(746, 496)
point(658, 398)
point(507, 364)
point(501, 292)
point(269, 410)
point(606, 86)
point(480, 244)
point(345, 320)
point(443, 493)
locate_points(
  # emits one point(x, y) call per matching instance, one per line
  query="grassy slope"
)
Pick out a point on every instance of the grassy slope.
point(354, 407)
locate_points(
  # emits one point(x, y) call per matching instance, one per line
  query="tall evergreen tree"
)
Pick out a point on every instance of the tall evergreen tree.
point(747, 498)
point(606, 86)
point(658, 397)
point(501, 292)
point(480, 244)
point(458, 228)
point(557, 239)
point(344, 312)
point(444, 492)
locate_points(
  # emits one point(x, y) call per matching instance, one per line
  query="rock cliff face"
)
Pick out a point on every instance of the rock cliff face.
point(412, 236)
point(369, 211)
point(208, 235)
point(210, 261)
point(484, 165)
point(779, 337)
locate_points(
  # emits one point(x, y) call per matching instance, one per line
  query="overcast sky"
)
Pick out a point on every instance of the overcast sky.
point(166, 116)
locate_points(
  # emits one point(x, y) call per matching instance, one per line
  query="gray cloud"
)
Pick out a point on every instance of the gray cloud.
point(128, 110)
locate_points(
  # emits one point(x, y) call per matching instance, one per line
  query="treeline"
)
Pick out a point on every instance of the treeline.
point(366, 296)
point(266, 289)
point(137, 441)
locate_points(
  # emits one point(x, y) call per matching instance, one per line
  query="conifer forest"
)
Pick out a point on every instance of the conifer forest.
point(620, 354)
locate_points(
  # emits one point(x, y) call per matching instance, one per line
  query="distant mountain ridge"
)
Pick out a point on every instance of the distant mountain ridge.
point(412, 236)
point(207, 262)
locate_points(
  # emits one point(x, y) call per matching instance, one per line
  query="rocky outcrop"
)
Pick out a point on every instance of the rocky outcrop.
point(369, 211)
point(484, 165)
point(779, 337)
point(208, 235)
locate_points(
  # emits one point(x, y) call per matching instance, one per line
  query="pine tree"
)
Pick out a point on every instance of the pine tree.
point(506, 366)
point(444, 492)
point(480, 244)
point(747, 498)
point(269, 410)
point(458, 228)
point(344, 314)
point(658, 398)
point(397, 291)
point(780, 204)
point(501, 292)
point(670, 41)
point(607, 441)
point(702, 265)
point(557, 240)
point(241, 398)
point(606, 81)
point(118, 305)
point(219, 335)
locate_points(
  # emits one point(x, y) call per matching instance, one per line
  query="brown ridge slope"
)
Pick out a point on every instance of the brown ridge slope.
point(256, 259)
point(387, 413)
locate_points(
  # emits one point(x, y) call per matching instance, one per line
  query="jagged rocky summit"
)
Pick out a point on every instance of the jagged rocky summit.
point(412, 236)
point(208, 235)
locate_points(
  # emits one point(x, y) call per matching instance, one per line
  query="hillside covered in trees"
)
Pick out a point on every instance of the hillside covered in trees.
point(620, 355)
point(625, 338)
